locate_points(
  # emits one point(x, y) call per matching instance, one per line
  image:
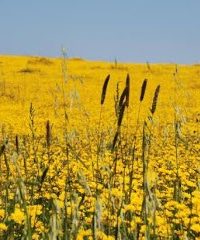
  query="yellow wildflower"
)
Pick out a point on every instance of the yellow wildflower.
point(18, 216)
point(3, 227)
point(196, 228)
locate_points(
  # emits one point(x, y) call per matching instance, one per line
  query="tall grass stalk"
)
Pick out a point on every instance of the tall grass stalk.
point(131, 172)
point(149, 200)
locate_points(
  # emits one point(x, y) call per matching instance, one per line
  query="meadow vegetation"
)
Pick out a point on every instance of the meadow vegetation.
point(98, 150)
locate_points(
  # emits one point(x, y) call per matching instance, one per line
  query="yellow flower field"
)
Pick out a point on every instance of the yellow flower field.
point(98, 150)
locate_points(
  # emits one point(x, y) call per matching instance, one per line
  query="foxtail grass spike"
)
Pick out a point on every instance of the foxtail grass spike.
point(143, 90)
point(148, 66)
point(48, 133)
point(123, 96)
point(121, 114)
point(103, 94)
point(115, 140)
point(44, 175)
point(2, 149)
point(128, 89)
point(155, 99)
point(17, 143)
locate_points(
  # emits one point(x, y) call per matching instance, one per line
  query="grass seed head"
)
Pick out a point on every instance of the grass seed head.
point(122, 99)
point(103, 94)
point(44, 175)
point(143, 90)
point(17, 143)
point(121, 114)
point(155, 99)
point(128, 89)
point(115, 139)
point(48, 133)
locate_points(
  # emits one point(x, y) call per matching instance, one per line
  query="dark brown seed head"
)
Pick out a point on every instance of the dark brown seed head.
point(115, 140)
point(103, 94)
point(143, 89)
point(48, 133)
point(148, 66)
point(155, 99)
point(123, 97)
point(17, 143)
point(121, 114)
point(128, 89)
point(44, 175)
point(2, 149)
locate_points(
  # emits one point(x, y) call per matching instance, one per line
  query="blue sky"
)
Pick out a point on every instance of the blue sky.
point(128, 30)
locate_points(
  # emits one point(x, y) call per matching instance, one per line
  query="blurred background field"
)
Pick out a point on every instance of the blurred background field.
point(39, 81)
